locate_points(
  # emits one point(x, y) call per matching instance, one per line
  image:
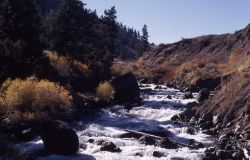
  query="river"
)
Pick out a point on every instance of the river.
point(153, 115)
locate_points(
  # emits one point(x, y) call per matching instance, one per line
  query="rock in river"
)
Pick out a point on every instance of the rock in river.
point(126, 89)
point(110, 147)
point(58, 138)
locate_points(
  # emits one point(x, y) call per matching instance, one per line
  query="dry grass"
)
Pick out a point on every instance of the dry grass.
point(191, 72)
point(105, 91)
point(240, 65)
point(31, 98)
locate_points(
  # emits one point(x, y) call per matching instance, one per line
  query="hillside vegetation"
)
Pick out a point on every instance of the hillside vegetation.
point(218, 62)
point(190, 59)
point(56, 54)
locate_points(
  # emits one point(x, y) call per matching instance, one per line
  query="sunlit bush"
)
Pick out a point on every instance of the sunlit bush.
point(60, 63)
point(31, 98)
point(105, 91)
point(192, 71)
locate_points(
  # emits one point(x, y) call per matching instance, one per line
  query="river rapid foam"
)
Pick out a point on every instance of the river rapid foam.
point(153, 115)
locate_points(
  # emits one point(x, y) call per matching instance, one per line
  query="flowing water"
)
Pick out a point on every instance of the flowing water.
point(153, 115)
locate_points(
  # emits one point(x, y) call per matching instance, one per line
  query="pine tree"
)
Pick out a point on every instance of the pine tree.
point(68, 30)
point(145, 36)
point(19, 20)
point(19, 37)
point(109, 35)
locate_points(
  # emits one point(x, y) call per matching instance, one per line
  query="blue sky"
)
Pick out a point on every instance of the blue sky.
point(169, 20)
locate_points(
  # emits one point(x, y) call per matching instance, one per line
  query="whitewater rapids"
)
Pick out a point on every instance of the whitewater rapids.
point(153, 115)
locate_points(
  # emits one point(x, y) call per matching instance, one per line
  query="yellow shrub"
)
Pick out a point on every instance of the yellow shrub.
point(31, 98)
point(105, 91)
point(83, 68)
point(60, 63)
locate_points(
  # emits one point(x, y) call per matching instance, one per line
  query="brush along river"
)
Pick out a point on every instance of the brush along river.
point(153, 116)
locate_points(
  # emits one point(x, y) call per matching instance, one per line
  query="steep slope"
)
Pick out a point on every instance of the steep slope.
point(218, 62)
point(212, 48)
point(190, 59)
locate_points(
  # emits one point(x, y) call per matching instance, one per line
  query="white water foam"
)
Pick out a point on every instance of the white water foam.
point(154, 115)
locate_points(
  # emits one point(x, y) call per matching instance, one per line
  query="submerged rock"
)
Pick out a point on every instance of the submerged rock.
point(169, 97)
point(188, 95)
point(91, 141)
point(58, 138)
point(192, 104)
point(147, 140)
point(195, 144)
point(157, 154)
point(99, 142)
point(189, 130)
point(166, 143)
point(110, 147)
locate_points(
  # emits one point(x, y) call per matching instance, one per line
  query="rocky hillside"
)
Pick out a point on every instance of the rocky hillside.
point(205, 55)
point(220, 63)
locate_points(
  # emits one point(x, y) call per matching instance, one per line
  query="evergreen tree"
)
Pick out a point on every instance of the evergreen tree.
point(109, 29)
point(68, 30)
point(19, 37)
point(145, 36)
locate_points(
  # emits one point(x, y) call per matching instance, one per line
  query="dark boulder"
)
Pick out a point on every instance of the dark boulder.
point(175, 117)
point(203, 95)
point(126, 89)
point(99, 142)
point(110, 147)
point(192, 104)
point(157, 154)
point(169, 97)
point(146, 90)
point(91, 141)
point(209, 83)
point(143, 81)
point(205, 126)
point(166, 143)
point(210, 154)
point(212, 131)
point(130, 135)
point(58, 138)
point(195, 144)
point(19, 131)
point(238, 155)
point(147, 140)
point(25, 135)
point(189, 130)
point(158, 87)
point(223, 154)
point(246, 136)
point(187, 115)
point(192, 121)
point(188, 95)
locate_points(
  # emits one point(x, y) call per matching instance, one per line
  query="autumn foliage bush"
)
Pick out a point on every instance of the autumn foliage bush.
point(105, 91)
point(33, 99)
point(190, 72)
